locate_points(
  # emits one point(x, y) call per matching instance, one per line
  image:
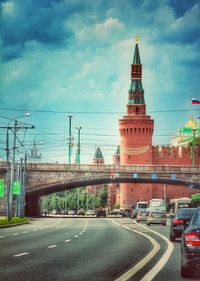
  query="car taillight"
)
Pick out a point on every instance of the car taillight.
point(178, 221)
point(192, 238)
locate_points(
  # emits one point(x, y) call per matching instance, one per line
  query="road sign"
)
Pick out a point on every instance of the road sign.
point(1, 188)
point(173, 177)
point(16, 188)
point(135, 175)
point(154, 176)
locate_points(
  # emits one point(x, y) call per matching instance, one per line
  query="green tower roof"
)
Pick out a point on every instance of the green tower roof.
point(98, 154)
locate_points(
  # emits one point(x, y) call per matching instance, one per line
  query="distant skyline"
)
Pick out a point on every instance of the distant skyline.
point(74, 57)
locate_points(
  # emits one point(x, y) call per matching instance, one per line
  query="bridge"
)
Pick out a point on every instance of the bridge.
point(47, 178)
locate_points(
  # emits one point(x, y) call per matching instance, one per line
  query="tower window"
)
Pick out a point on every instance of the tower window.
point(137, 110)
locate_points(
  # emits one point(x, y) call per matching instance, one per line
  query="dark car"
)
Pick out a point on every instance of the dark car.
point(180, 222)
point(190, 246)
point(101, 213)
point(127, 213)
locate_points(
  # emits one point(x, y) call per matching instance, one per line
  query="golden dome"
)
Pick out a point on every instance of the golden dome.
point(191, 123)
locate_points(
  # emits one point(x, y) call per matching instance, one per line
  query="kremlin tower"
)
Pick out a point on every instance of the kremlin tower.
point(136, 130)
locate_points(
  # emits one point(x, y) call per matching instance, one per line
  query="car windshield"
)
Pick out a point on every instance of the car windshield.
point(185, 214)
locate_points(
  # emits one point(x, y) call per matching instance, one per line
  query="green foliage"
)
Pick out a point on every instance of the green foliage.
point(15, 220)
point(68, 200)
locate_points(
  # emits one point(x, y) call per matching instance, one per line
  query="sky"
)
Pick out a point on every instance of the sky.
point(61, 57)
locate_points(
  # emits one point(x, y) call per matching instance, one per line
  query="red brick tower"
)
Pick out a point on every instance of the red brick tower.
point(136, 131)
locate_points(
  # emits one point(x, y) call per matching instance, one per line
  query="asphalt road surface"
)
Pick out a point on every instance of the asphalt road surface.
point(87, 249)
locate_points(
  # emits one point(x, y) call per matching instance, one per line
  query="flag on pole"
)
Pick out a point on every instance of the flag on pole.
point(195, 101)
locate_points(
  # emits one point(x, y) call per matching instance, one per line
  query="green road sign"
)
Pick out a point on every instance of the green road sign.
point(196, 196)
point(16, 188)
point(1, 188)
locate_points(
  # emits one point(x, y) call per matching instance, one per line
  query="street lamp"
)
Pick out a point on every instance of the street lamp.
point(70, 138)
point(10, 176)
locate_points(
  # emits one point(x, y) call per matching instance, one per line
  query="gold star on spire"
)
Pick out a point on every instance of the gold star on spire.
point(137, 39)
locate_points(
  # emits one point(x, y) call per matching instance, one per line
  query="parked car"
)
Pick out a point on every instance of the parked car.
point(81, 213)
point(180, 222)
point(90, 213)
point(142, 216)
point(101, 213)
point(156, 217)
point(190, 246)
point(71, 213)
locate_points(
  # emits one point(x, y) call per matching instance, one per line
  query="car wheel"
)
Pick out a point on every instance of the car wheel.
point(172, 238)
point(148, 223)
point(185, 272)
point(137, 221)
point(164, 224)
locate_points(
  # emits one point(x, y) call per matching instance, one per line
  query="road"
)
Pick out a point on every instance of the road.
point(87, 249)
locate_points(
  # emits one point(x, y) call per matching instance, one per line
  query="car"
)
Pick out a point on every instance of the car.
point(81, 213)
point(190, 246)
point(179, 222)
point(156, 217)
point(142, 216)
point(127, 213)
point(101, 213)
point(71, 213)
point(90, 213)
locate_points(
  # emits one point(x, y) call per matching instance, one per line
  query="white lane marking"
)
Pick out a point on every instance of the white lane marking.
point(76, 236)
point(52, 246)
point(2, 237)
point(25, 232)
point(15, 233)
point(156, 247)
point(68, 240)
point(35, 229)
point(162, 261)
point(80, 233)
point(21, 254)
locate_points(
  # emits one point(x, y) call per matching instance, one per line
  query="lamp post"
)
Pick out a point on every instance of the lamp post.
point(194, 130)
point(70, 138)
point(10, 176)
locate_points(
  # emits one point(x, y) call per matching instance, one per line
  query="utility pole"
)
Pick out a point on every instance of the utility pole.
point(10, 175)
point(70, 138)
point(79, 145)
point(78, 157)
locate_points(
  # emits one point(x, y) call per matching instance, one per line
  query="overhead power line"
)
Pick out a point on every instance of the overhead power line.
point(95, 112)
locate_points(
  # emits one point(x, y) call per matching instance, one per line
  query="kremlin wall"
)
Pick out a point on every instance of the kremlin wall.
point(136, 132)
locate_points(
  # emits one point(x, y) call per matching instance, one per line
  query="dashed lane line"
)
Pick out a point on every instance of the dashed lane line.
point(21, 254)
point(1, 237)
point(52, 246)
point(68, 240)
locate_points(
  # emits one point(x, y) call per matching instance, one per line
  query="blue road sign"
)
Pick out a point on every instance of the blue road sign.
point(154, 176)
point(173, 177)
point(135, 175)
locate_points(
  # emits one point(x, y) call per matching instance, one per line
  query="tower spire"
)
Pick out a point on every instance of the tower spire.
point(136, 103)
point(136, 57)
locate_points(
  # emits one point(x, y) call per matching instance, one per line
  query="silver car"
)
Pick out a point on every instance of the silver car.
point(157, 217)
